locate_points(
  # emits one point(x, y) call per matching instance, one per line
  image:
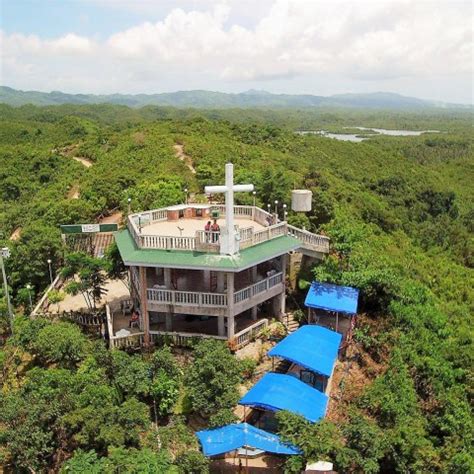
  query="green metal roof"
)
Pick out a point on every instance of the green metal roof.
point(248, 257)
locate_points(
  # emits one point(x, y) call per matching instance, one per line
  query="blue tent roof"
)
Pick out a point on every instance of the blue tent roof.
point(235, 436)
point(312, 347)
point(342, 299)
point(283, 392)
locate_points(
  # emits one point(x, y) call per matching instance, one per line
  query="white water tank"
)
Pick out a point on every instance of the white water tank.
point(301, 200)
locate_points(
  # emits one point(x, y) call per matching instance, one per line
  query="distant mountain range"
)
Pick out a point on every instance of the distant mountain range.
point(208, 99)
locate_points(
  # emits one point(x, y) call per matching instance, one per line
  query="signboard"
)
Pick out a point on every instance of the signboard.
point(88, 228)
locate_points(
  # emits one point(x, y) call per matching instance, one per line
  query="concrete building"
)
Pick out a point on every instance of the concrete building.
point(188, 281)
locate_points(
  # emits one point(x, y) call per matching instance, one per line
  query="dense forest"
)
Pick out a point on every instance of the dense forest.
point(399, 212)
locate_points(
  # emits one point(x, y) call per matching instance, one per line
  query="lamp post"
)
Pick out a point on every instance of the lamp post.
point(5, 253)
point(29, 287)
point(186, 195)
point(50, 271)
point(254, 193)
point(276, 207)
point(284, 212)
point(129, 200)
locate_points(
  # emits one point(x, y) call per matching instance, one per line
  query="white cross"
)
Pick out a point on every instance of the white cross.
point(228, 240)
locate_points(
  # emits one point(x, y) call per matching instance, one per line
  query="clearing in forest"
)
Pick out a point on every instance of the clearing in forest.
point(16, 234)
point(73, 192)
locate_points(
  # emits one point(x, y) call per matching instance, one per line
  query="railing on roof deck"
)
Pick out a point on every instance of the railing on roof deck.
point(312, 241)
point(239, 211)
point(242, 338)
point(207, 241)
point(159, 215)
point(210, 242)
point(262, 217)
point(168, 242)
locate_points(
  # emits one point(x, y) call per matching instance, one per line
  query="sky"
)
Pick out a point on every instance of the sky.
point(413, 47)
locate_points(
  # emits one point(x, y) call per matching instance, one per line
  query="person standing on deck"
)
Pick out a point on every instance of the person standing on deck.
point(215, 231)
point(207, 230)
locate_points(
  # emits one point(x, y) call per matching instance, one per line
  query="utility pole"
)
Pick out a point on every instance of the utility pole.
point(5, 253)
point(50, 271)
point(29, 287)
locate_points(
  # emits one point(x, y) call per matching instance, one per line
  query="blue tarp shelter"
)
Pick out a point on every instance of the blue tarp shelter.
point(312, 347)
point(235, 436)
point(275, 392)
point(341, 299)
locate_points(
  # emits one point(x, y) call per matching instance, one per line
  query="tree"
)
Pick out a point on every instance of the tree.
point(213, 378)
point(61, 343)
point(318, 441)
point(225, 416)
point(126, 461)
point(163, 191)
point(131, 375)
point(192, 462)
point(90, 275)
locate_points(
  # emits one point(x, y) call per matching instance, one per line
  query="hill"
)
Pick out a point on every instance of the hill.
point(399, 213)
point(209, 99)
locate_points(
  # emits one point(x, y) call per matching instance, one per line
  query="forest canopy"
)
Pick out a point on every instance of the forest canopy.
point(399, 213)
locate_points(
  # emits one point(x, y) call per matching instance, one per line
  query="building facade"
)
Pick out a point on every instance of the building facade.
point(186, 279)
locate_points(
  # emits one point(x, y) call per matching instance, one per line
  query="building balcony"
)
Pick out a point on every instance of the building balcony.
point(214, 304)
point(182, 228)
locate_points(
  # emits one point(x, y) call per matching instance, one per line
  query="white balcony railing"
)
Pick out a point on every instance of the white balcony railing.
point(210, 242)
point(257, 288)
point(214, 300)
point(242, 338)
point(186, 298)
point(312, 241)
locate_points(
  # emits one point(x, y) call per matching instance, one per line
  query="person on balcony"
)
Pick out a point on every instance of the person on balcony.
point(134, 319)
point(207, 230)
point(215, 230)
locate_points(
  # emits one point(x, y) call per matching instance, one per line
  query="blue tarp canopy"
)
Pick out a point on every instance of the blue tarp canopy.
point(342, 299)
point(312, 347)
point(283, 392)
point(235, 436)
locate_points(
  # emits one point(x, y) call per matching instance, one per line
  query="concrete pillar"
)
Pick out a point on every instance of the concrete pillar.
point(144, 306)
point(220, 282)
point(230, 306)
point(276, 306)
point(207, 280)
point(167, 277)
point(221, 325)
point(254, 313)
point(284, 264)
point(254, 274)
point(168, 322)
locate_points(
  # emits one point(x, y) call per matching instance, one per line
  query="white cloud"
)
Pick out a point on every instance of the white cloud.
point(374, 41)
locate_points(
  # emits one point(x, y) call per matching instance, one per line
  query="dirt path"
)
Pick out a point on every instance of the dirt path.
point(186, 159)
point(68, 152)
point(16, 234)
point(114, 218)
point(74, 192)
point(85, 161)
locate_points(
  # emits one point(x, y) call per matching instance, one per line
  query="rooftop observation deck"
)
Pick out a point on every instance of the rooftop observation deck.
point(181, 228)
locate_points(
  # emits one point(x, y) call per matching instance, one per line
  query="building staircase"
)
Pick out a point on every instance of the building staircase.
point(291, 323)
